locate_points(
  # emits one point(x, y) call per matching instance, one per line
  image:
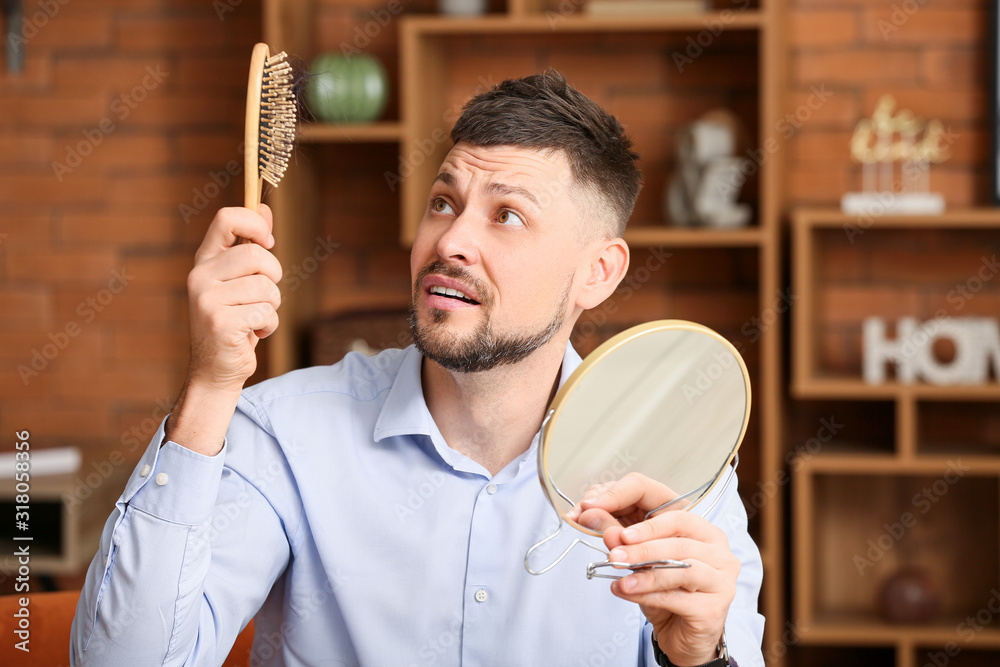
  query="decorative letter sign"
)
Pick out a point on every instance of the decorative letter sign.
point(976, 341)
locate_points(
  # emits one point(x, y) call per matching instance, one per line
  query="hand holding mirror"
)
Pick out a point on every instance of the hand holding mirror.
point(668, 399)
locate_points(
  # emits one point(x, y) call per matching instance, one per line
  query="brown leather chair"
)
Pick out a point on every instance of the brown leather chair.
point(51, 615)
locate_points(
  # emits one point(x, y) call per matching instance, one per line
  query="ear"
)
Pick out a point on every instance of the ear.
point(608, 262)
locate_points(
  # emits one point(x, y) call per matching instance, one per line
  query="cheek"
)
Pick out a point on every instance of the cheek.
point(418, 254)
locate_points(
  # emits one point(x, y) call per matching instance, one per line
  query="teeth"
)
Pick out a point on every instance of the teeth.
point(449, 291)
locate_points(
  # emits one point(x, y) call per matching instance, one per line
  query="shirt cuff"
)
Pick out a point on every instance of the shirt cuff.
point(174, 483)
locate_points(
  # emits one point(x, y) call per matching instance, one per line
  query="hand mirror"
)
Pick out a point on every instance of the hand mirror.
point(668, 399)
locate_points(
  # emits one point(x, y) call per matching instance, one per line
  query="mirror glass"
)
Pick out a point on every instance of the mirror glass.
point(669, 399)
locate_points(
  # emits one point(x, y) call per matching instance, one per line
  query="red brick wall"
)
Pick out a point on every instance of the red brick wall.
point(124, 109)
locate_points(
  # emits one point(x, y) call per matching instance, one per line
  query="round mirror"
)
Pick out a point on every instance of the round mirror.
point(669, 399)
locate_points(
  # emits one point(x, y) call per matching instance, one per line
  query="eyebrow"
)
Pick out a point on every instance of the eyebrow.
point(493, 188)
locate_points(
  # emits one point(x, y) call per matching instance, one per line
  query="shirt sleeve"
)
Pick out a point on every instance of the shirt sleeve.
point(189, 553)
point(744, 625)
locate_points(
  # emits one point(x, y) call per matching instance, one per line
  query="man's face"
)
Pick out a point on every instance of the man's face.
point(496, 257)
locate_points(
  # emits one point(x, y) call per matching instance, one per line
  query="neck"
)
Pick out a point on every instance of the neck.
point(492, 416)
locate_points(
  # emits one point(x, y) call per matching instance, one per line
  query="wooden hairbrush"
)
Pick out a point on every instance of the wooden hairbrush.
point(270, 124)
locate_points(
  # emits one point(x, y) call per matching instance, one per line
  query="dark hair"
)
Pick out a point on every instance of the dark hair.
point(543, 111)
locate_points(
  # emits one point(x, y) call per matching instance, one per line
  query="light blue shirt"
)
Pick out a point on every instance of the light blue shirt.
point(338, 518)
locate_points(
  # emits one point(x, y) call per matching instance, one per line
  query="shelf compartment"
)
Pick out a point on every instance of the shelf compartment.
point(936, 656)
point(958, 428)
point(857, 521)
point(848, 269)
point(840, 427)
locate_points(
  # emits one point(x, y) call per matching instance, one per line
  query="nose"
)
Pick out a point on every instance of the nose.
point(459, 240)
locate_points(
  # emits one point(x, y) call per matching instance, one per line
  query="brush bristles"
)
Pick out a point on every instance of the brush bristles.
point(277, 119)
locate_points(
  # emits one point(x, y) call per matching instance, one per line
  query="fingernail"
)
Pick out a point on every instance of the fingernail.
point(619, 555)
point(628, 583)
point(270, 239)
point(630, 533)
point(590, 522)
point(573, 513)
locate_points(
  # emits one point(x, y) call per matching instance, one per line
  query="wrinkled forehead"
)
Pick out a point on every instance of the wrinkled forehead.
point(545, 173)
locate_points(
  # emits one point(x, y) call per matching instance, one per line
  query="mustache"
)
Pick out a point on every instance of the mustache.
point(455, 273)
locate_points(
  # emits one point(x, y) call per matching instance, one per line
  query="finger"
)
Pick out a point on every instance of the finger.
point(231, 223)
point(597, 520)
point(679, 602)
point(259, 318)
point(238, 261)
point(634, 490)
point(673, 548)
point(245, 290)
point(675, 524)
point(698, 578)
point(265, 212)
point(595, 490)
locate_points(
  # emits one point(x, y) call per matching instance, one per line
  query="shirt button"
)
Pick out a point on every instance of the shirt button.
point(145, 471)
point(481, 595)
point(491, 489)
point(161, 478)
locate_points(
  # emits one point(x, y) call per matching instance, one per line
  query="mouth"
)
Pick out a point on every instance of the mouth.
point(446, 292)
point(451, 293)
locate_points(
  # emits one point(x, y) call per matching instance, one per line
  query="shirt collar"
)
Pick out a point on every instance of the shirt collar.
point(405, 410)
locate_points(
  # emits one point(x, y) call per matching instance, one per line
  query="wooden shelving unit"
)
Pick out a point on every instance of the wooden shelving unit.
point(431, 92)
point(334, 133)
point(850, 499)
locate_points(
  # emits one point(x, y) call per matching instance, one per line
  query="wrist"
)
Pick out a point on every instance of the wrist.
point(717, 658)
point(201, 418)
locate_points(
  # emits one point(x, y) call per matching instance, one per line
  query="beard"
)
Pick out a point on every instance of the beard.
point(486, 348)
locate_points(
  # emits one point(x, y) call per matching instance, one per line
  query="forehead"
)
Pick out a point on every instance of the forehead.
point(527, 166)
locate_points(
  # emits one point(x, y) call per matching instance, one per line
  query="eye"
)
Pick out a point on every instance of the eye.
point(509, 218)
point(439, 205)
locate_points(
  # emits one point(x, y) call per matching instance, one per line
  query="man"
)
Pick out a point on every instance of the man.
point(377, 511)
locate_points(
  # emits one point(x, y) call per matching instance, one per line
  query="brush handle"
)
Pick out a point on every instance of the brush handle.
point(253, 184)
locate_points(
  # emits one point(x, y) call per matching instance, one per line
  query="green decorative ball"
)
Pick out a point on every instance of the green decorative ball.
point(347, 89)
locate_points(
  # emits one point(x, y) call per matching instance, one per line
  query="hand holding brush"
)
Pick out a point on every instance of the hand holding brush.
point(232, 289)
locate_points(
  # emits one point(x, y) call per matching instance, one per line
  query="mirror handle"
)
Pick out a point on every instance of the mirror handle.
point(729, 479)
point(667, 564)
point(527, 555)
